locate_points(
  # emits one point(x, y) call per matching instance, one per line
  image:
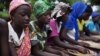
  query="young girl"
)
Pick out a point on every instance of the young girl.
point(93, 25)
point(19, 40)
point(80, 11)
point(60, 14)
point(39, 29)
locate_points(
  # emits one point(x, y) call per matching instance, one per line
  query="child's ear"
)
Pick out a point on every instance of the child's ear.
point(12, 18)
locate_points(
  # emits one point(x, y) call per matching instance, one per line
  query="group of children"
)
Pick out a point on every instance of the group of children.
point(53, 32)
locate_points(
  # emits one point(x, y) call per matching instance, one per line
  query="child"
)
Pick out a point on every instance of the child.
point(60, 14)
point(39, 30)
point(19, 40)
point(80, 11)
point(93, 25)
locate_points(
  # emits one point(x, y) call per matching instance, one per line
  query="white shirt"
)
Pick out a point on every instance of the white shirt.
point(13, 37)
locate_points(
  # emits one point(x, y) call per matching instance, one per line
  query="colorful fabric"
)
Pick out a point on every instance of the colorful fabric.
point(25, 48)
point(38, 35)
point(40, 7)
point(58, 8)
point(54, 29)
point(23, 42)
point(97, 24)
point(93, 27)
point(16, 3)
point(80, 24)
point(13, 37)
point(90, 25)
point(94, 14)
point(77, 10)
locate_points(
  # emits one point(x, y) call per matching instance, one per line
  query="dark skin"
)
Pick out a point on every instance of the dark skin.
point(63, 32)
point(37, 50)
point(57, 41)
point(60, 43)
point(4, 44)
point(71, 41)
point(54, 51)
point(42, 20)
point(20, 20)
point(96, 20)
point(84, 16)
point(84, 37)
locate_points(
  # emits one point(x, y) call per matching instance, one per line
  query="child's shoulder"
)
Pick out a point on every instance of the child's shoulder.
point(3, 22)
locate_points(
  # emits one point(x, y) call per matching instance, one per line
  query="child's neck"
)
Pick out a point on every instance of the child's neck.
point(17, 29)
point(58, 22)
point(40, 25)
point(80, 20)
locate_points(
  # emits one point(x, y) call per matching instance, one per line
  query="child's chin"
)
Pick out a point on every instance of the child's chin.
point(26, 25)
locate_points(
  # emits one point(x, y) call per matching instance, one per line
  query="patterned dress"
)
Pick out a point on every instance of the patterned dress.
point(38, 34)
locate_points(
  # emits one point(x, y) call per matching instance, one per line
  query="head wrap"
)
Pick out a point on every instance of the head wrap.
point(16, 3)
point(94, 14)
point(40, 7)
point(25, 47)
point(78, 9)
point(58, 9)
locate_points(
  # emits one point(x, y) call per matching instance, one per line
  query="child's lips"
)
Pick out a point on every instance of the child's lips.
point(26, 22)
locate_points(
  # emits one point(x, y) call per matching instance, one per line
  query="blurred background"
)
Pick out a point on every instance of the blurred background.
point(4, 5)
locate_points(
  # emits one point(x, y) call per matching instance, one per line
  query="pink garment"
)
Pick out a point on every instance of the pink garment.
point(16, 3)
point(54, 32)
point(25, 48)
point(54, 29)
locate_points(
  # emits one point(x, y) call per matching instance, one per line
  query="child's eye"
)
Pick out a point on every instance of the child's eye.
point(22, 14)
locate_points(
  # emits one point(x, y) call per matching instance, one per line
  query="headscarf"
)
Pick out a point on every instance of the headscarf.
point(78, 9)
point(16, 3)
point(58, 9)
point(97, 24)
point(40, 7)
point(25, 47)
point(94, 14)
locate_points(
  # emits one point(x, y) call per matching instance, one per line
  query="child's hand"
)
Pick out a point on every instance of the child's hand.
point(96, 40)
point(63, 54)
point(82, 50)
point(84, 44)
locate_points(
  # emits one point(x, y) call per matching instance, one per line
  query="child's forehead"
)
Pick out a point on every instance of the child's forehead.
point(23, 8)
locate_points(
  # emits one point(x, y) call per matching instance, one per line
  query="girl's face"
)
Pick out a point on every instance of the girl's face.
point(96, 19)
point(88, 11)
point(45, 18)
point(85, 16)
point(63, 18)
point(21, 16)
point(64, 12)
